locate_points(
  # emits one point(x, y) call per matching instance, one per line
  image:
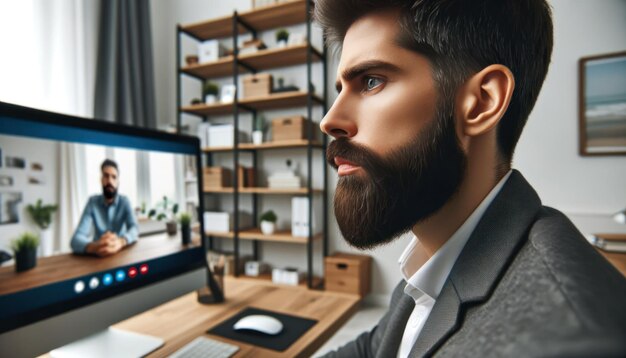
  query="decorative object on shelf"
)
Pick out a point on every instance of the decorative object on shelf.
point(42, 216)
point(252, 46)
point(268, 222)
point(287, 276)
point(216, 178)
point(217, 221)
point(290, 128)
point(166, 210)
point(191, 60)
point(222, 135)
point(296, 39)
point(228, 93)
point(185, 228)
point(258, 85)
point(256, 268)
point(258, 129)
point(286, 179)
point(6, 180)
point(211, 91)
point(348, 273)
point(281, 87)
point(25, 250)
point(282, 36)
point(620, 216)
point(210, 51)
point(196, 101)
point(300, 216)
point(602, 104)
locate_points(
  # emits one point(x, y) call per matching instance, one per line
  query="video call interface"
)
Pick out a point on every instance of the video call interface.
point(112, 210)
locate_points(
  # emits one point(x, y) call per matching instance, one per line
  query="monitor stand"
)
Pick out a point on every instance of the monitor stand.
point(110, 343)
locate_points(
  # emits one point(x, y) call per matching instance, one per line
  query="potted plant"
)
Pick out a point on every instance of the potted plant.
point(25, 249)
point(259, 128)
point(185, 227)
point(282, 36)
point(268, 222)
point(211, 90)
point(196, 101)
point(166, 210)
point(42, 216)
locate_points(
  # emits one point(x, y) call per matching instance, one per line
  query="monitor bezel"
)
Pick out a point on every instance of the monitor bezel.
point(42, 116)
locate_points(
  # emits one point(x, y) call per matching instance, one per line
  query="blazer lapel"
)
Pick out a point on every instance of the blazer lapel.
point(492, 246)
point(392, 337)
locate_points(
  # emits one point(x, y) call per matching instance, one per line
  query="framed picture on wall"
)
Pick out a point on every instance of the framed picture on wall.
point(602, 104)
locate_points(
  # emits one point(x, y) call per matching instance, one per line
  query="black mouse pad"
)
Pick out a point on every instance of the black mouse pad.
point(293, 328)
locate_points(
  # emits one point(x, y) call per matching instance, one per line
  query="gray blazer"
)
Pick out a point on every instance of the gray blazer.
point(526, 284)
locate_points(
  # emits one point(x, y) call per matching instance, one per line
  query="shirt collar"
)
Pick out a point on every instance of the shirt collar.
point(427, 275)
point(114, 203)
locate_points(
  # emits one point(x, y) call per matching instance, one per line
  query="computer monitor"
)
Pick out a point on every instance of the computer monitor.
point(117, 193)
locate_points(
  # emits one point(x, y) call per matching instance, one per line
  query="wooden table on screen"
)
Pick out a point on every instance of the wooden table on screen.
point(183, 319)
point(67, 266)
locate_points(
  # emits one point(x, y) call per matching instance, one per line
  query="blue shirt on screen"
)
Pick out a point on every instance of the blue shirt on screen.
point(118, 218)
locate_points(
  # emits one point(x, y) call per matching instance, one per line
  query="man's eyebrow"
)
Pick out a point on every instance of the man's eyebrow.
point(355, 71)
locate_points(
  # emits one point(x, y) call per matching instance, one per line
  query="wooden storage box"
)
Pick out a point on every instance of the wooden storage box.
point(290, 128)
point(348, 273)
point(258, 85)
point(216, 178)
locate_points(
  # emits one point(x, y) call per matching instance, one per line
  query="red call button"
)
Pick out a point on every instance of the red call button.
point(143, 269)
point(132, 272)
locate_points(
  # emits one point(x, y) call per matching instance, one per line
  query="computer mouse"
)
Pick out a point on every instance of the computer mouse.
point(259, 323)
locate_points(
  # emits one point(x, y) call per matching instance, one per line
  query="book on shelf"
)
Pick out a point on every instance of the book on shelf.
point(610, 242)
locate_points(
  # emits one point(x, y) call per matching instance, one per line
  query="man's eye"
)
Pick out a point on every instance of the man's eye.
point(372, 82)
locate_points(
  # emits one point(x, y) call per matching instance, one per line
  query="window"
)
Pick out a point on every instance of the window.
point(127, 163)
point(162, 178)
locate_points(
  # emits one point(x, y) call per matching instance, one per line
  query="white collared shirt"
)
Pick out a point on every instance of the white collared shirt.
point(425, 277)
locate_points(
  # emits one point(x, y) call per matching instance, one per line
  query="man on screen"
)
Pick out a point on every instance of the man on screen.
point(432, 99)
point(110, 215)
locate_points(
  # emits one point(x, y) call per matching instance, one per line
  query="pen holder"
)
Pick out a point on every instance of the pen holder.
point(213, 292)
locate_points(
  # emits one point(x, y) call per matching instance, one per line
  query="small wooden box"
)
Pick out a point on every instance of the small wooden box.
point(348, 273)
point(216, 178)
point(290, 128)
point(258, 85)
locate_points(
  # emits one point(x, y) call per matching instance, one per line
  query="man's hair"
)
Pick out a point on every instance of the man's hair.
point(109, 163)
point(460, 38)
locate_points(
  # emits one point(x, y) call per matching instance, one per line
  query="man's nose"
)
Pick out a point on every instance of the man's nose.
point(340, 121)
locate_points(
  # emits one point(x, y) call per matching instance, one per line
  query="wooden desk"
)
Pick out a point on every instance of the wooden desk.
point(617, 259)
point(183, 319)
point(66, 266)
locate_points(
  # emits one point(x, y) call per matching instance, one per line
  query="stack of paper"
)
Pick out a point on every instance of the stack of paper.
point(283, 180)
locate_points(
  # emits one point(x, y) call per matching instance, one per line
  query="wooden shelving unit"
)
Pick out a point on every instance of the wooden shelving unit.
point(251, 22)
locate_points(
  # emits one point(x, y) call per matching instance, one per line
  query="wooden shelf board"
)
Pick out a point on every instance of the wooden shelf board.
point(279, 100)
point(262, 18)
point(273, 101)
point(286, 144)
point(261, 60)
point(256, 234)
point(295, 191)
point(209, 109)
point(279, 57)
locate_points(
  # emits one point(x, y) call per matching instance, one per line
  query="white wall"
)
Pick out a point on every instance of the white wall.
point(34, 151)
point(547, 153)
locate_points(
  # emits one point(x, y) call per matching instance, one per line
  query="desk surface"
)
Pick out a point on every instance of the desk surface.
point(66, 266)
point(183, 319)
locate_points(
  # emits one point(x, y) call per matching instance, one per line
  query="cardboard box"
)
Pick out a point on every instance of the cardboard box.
point(290, 128)
point(216, 178)
point(348, 273)
point(258, 85)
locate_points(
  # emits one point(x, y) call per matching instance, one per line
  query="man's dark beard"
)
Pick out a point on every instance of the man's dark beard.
point(109, 191)
point(400, 189)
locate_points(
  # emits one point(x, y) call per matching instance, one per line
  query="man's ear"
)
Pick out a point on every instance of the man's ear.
point(484, 98)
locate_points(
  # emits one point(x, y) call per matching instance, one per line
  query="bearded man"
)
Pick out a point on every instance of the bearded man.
point(432, 99)
point(109, 215)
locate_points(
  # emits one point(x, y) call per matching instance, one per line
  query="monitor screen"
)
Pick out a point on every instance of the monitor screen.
point(105, 202)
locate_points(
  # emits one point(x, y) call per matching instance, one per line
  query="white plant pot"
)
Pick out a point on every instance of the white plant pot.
point(210, 99)
point(268, 227)
point(281, 44)
point(257, 137)
point(46, 242)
